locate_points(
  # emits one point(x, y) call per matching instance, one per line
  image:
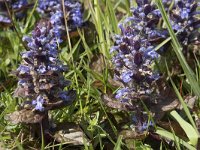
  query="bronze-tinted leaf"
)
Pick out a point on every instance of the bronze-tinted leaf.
point(171, 105)
point(46, 86)
point(57, 104)
point(20, 92)
point(166, 100)
point(49, 73)
point(111, 102)
point(25, 116)
point(130, 134)
point(111, 83)
point(5, 25)
point(73, 34)
point(28, 61)
point(156, 39)
point(7, 83)
point(152, 21)
point(98, 84)
point(189, 100)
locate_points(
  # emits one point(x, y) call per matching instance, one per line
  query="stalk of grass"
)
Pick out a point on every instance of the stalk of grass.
point(104, 27)
point(104, 110)
point(111, 140)
point(18, 145)
point(29, 17)
point(15, 25)
point(42, 137)
point(103, 24)
point(112, 16)
point(186, 110)
point(118, 143)
point(88, 50)
point(178, 50)
point(175, 139)
point(86, 147)
point(100, 139)
point(71, 49)
point(68, 56)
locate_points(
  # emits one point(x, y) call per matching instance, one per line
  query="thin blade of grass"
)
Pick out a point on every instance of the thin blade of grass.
point(118, 144)
point(112, 16)
point(29, 17)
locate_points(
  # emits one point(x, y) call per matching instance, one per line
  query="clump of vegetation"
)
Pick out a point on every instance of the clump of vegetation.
point(135, 53)
point(131, 66)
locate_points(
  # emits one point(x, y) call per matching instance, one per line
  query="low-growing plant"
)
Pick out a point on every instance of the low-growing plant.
point(132, 66)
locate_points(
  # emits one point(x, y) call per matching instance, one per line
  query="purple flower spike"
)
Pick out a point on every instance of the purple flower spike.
point(41, 72)
point(184, 19)
point(134, 52)
point(135, 55)
point(53, 10)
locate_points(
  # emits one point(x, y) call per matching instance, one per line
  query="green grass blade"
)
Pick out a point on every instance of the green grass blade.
point(118, 144)
point(112, 17)
point(42, 137)
point(29, 17)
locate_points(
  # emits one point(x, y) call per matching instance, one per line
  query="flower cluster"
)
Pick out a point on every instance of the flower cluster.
point(16, 6)
point(184, 19)
point(141, 123)
point(4, 18)
point(19, 7)
point(134, 50)
point(40, 74)
point(53, 10)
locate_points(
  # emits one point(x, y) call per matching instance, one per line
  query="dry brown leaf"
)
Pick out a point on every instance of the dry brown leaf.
point(70, 133)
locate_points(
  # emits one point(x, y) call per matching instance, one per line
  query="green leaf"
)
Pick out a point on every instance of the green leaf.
point(173, 137)
point(189, 130)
